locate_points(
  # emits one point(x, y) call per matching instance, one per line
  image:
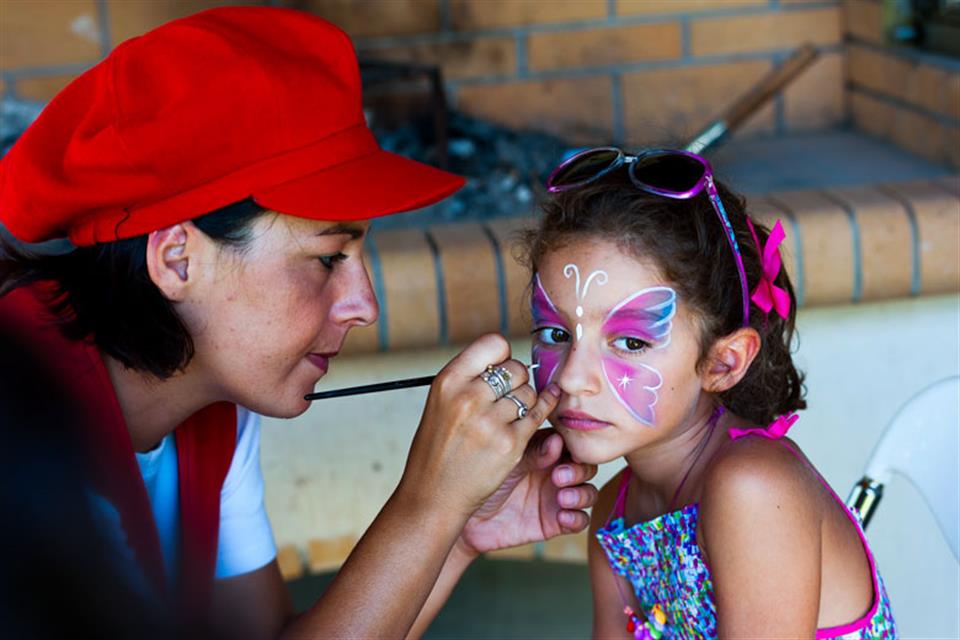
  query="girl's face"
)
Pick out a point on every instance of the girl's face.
point(267, 319)
point(612, 334)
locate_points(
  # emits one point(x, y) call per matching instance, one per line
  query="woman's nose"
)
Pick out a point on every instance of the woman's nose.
point(356, 305)
point(580, 373)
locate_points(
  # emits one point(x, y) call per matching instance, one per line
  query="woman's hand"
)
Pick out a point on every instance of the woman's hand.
point(542, 497)
point(468, 441)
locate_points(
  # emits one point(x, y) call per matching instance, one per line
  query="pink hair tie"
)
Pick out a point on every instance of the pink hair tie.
point(766, 295)
point(777, 429)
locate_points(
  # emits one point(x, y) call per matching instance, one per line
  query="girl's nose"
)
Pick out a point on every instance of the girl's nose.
point(580, 373)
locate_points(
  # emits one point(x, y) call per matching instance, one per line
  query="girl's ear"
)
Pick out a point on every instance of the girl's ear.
point(729, 359)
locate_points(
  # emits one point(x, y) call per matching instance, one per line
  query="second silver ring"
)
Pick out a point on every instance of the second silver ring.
point(522, 409)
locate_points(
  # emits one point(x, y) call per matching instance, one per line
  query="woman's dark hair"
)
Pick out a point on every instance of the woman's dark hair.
point(686, 241)
point(104, 292)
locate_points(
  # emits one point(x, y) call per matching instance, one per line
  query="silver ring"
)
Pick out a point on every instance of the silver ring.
point(522, 409)
point(498, 379)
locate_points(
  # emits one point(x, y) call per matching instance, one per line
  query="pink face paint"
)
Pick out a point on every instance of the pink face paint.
point(544, 314)
point(646, 315)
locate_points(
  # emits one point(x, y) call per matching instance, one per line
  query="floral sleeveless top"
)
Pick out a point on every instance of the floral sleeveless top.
point(662, 561)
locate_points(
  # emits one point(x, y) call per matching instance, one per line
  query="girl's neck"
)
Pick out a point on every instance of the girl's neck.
point(153, 408)
point(663, 466)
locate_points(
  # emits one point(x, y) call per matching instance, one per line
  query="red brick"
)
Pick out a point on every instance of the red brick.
point(872, 115)
point(919, 134)
point(34, 34)
point(463, 59)
point(863, 19)
point(647, 7)
point(815, 100)
point(412, 312)
point(486, 14)
point(938, 227)
point(827, 244)
point(578, 109)
point(290, 562)
point(782, 30)
point(507, 232)
point(669, 106)
point(370, 18)
point(887, 74)
point(952, 106)
point(885, 241)
point(128, 19)
point(604, 46)
point(42, 88)
point(469, 281)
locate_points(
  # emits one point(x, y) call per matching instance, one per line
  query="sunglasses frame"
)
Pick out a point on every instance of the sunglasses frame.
point(705, 182)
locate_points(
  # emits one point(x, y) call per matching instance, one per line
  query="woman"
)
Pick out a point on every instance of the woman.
point(217, 178)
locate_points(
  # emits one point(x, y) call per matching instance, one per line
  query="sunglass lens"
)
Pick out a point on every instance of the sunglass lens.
point(584, 167)
point(669, 172)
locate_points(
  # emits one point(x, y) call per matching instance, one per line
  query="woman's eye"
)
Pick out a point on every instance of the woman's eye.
point(630, 344)
point(552, 335)
point(329, 261)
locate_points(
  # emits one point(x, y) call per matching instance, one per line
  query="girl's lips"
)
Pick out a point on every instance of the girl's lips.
point(580, 421)
point(320, 360)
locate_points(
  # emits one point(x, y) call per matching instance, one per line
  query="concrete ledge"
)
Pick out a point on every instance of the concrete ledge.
point(449, 284)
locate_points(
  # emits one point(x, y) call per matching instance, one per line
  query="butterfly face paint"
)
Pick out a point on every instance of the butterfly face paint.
point(572, 270)
point(641, 321)
point(545, 316)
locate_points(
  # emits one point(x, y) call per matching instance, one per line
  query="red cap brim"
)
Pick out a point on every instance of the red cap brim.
point(374, 185)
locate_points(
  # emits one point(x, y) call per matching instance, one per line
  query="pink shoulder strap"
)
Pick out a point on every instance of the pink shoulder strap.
point(619, 505)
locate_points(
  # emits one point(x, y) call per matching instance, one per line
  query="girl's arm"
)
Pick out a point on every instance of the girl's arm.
point(760, 529)
point(609, 621)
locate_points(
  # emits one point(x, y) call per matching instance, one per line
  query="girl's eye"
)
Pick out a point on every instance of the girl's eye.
point(630, 344)
point(551, 335)
point(328, 261)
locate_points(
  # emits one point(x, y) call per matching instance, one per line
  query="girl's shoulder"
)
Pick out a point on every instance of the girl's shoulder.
point(753, 480)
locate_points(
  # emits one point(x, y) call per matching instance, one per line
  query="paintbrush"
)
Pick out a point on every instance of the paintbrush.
point(392, 385)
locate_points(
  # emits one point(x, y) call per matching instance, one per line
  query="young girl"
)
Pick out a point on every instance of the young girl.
point(663, 314)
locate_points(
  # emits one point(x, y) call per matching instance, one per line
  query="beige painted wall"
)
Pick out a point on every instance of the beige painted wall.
point(329, 470)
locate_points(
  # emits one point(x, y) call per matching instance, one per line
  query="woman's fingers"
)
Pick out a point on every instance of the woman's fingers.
point(516, 372)
point(537, 414)
point(581, 497)
point(572, 521)
point(488, 350)
point(572, 473)
point(508, 410)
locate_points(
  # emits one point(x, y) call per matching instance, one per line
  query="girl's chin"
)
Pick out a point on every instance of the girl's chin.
point(587, 452)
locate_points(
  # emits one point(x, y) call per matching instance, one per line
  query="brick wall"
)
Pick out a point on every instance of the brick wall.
point(639, 71)
point(902, 95)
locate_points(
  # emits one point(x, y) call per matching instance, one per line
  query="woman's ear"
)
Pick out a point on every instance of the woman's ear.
point(729, 359)
point(169, 255)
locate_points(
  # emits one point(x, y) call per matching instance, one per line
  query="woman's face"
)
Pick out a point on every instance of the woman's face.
point(266, 319)
point(621, 346)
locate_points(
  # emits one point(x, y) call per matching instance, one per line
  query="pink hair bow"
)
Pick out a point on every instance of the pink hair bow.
point(767, 295)
point(776, 430)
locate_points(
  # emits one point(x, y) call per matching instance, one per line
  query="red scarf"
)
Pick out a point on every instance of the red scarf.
point(205, 446)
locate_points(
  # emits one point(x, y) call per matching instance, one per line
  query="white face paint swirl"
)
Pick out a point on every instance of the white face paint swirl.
point(572, 270)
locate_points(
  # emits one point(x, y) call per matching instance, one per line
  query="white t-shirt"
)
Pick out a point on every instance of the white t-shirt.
point(245, 540)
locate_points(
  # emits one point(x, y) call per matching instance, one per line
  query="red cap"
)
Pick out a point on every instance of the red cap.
point(202, 112)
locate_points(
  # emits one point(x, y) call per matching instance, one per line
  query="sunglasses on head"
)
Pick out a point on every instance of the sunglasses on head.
point(670, 173)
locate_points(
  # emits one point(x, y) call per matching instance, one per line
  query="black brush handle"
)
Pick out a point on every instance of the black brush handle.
point(425, 381)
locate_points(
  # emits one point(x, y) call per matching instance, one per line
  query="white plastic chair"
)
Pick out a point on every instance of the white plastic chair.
point(921, 443)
